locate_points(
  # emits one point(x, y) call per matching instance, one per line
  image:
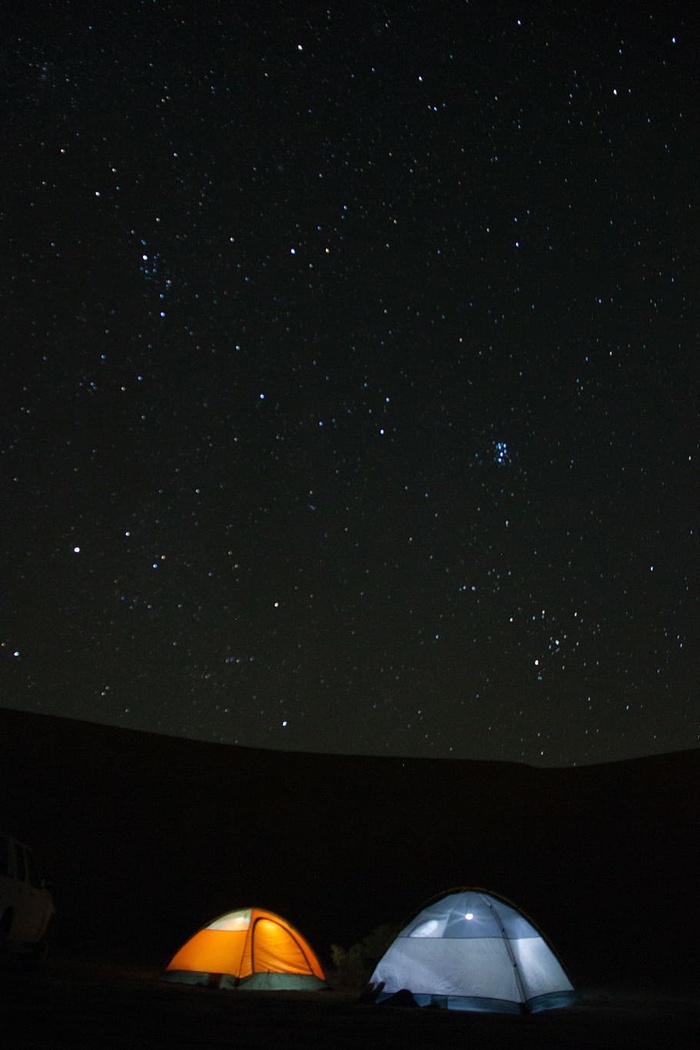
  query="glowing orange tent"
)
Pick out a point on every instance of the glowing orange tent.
point(252, 949)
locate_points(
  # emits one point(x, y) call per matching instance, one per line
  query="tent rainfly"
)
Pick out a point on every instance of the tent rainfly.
point(472, 950)
point(248, 949)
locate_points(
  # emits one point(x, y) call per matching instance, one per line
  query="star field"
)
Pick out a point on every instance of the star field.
point(348, 400)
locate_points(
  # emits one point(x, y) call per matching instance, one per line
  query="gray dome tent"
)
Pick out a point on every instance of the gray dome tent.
point(472, 950)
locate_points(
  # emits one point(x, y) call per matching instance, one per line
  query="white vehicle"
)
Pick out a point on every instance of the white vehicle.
point(26, 904)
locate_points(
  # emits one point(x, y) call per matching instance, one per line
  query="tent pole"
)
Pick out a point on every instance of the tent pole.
point(511, 956)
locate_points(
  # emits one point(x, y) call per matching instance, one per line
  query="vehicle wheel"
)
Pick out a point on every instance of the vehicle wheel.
point(5, 927)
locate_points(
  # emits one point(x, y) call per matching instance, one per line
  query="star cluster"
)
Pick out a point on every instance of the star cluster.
point(348, 397)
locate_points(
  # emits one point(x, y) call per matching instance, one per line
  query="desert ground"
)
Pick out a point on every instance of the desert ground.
point(89, 1003)
point(146, 838)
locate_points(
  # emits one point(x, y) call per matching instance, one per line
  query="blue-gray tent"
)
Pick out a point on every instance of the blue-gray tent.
point(472, 950)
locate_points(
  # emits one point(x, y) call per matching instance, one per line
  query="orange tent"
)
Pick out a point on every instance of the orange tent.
point(252, 949)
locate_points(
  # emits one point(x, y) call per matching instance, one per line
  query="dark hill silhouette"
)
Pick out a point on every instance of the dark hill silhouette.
point(148, 837)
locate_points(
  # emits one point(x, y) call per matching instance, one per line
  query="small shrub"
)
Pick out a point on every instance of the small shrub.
point(354, 966)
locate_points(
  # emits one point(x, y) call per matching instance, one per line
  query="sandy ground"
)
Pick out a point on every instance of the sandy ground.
point(92, 1004)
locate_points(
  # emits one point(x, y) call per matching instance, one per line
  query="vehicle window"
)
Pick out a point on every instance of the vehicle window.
point(32, 870)
point(4, 856)
point(19, 861)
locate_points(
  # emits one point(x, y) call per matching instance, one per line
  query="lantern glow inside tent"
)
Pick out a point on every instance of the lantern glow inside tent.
point(249, 949)
point(472, 950)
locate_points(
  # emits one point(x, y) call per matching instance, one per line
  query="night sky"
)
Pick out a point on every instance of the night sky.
point(347, 400)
